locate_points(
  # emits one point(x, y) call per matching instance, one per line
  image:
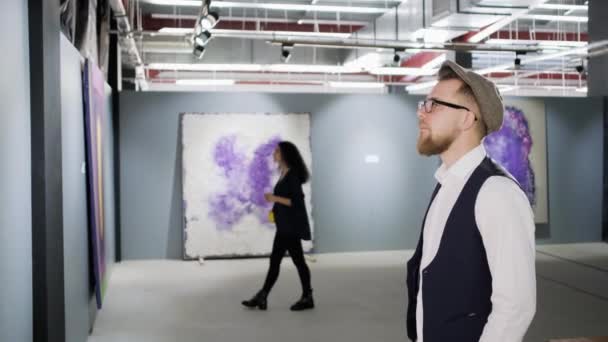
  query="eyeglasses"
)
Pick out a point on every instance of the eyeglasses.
point(428, 105)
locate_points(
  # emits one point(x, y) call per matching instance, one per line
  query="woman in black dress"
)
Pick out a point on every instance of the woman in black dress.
point(292, 224)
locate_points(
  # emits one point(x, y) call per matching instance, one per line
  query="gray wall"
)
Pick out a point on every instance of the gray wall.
point(357, 206)
point(575, 140)
point(15, 176)
point(78, 294)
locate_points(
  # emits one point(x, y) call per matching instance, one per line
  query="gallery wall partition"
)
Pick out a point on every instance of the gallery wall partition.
point(80, 301)
point(15, 176)
point(369, 185)
point(76, 242)
point(46, 155)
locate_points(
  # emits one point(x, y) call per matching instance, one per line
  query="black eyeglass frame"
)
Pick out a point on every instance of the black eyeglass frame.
point(422, 104)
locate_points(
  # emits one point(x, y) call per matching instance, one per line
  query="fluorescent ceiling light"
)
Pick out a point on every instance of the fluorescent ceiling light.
point(241, 19)
point(563, 7)
point(181, 3)
point(173, 16)
point(370, 60)
point(205, 67)
point(549, 43)
point(402, 71)
point(333, 22)
point(421, 86)
point(221, 32)
point(203, 82)
point(581, 90)
point(176, 30)
point(365, 1)
point(496, 68)
point(358, 85)
point(296, 68)
point(550, 87)
point(504, 88)
point(563, 18)
point(253, 33)
point(273, 6)
point(317, 69)
point(298, 7)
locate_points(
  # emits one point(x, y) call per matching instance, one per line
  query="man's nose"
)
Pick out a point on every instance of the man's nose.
point(420, 114)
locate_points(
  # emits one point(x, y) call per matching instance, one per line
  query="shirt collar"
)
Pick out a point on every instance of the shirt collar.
point(463, 166)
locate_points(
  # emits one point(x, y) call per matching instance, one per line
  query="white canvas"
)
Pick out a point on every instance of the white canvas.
point(224, 180)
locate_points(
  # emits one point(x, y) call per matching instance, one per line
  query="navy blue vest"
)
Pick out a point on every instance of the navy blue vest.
point(457, 284)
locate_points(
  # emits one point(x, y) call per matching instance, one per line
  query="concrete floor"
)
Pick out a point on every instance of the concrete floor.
point(359, 297)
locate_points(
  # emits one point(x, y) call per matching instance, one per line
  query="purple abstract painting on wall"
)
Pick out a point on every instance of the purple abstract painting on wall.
point(246, 180)
point(94, 111)
point(511, 147)
point(227, 168)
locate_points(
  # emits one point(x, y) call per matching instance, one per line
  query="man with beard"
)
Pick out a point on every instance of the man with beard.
point(472, 276)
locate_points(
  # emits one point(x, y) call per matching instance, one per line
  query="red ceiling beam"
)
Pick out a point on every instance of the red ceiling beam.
point(154, 24)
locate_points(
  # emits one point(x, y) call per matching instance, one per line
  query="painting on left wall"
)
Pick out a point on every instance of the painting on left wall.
point(94, 102)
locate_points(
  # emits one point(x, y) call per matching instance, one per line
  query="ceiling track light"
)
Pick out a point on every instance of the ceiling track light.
point(517, 60)
point(205, 22)
point(286, 52)
point(209, 21)
point(198, 51)
point(202, 39)
point(397, 57)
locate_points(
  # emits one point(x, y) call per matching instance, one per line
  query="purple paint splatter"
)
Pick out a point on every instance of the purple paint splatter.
point(511, 146)
point(226, 156)
point(260, 175)
point(245, 183)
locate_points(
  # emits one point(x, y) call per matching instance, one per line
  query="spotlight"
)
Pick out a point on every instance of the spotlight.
point(208, 21)
point(397, 56)
point(202, 38)
point(198, 51)
point(517, 61)
point(286, 52)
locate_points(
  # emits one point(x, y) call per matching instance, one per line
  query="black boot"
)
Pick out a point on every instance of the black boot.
point(305, 303)
point(259, 301)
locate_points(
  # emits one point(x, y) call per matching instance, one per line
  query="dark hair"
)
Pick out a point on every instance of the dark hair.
point(292, 157)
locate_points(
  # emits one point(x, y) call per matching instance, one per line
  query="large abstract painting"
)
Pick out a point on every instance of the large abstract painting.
point(520, 147)
point(227, 167)
point(94, 100)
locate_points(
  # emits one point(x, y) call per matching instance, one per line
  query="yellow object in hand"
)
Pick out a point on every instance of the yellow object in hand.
point(271, 216)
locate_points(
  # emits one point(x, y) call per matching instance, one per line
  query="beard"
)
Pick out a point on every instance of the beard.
point(428, 145)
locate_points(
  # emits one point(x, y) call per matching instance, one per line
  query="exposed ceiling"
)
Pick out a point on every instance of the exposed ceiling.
point(530, 47)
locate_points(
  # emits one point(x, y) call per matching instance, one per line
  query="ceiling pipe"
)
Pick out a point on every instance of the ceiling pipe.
point(127, 42)
point(355, 43)
point(277, 38)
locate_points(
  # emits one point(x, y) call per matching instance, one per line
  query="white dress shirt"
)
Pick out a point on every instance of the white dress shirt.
point(506, 224)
